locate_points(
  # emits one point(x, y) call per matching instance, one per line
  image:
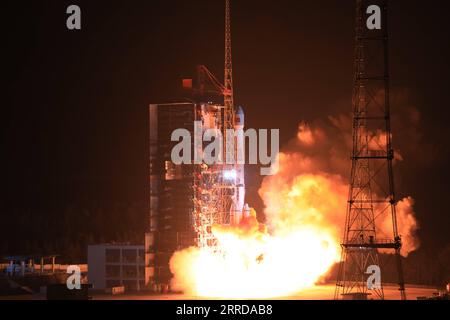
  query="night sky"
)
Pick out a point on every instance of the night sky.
point(74, 124)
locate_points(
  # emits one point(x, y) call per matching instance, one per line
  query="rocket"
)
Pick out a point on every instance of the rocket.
point(239, 124)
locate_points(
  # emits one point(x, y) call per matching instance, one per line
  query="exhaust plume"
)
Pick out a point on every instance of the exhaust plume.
point(305, 206)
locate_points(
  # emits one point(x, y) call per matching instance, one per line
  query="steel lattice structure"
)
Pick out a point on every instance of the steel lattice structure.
point(206, 201)
point(371, 192)
point(215, 194)
point(228, 187)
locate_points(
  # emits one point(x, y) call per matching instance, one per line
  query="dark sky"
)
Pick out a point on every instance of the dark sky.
point(75, 123)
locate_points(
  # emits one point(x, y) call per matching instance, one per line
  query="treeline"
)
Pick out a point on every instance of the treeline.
point(68, 231)
point(428, 267)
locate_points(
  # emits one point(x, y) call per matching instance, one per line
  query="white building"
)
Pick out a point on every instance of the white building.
point(115, 265)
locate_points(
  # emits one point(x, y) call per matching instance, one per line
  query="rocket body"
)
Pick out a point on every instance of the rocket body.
point(239, 125)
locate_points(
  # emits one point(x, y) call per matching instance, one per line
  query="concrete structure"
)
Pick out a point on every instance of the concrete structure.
point(114, 265)
point(185, 198)
point(170, 220)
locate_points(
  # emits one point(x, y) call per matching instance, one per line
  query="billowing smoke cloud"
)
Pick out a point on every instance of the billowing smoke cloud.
point(305, 207)
point(313, 180)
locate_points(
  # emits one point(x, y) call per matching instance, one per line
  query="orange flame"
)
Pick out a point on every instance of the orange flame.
point(256, 263)
point(305, 205)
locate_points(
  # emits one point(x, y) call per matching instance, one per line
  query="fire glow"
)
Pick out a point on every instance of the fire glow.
point(254, 263)
point(305, 202)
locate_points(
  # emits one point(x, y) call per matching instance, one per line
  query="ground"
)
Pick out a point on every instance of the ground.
point(322, 292)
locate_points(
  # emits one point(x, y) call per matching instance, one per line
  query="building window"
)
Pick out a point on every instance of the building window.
point(112, 271)
point(141, 257)
point(112, 255)
point(129, 272)
point(129, 256)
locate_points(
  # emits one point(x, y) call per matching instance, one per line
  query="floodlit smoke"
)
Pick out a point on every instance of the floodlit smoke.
point(305, 207)
point(323, 150)
point(407, 226)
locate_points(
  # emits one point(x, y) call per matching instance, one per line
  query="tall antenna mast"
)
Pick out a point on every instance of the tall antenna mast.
point(227, 186)
point(228, 76)
point(371, 193)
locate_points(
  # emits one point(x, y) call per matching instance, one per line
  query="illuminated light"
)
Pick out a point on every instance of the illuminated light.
point(187, 83)
point(229, 174)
